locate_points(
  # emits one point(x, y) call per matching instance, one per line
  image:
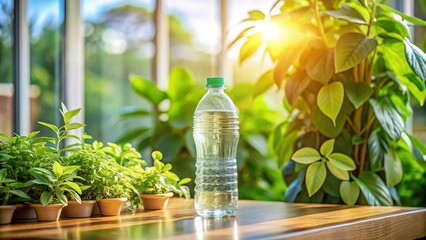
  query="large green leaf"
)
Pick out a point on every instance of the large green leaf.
point(416, 58)
point(57, 169)
point(418, 149)
point(20, 194)
point(306, 155)
point(388, 117)
point(287, 58)
point(264, 83)
point(320, 65)
point(250, 46)
point(326, 126)
point(62, 198)
point(74, 186)
point(147, 89)
point(346, 12)
point(51, 126)
point(351, 49)
point(373, 189)
point(330, 100)
point(295, 85)
point(327, 147)
point(342, 161)
point(315, 177)
point(377, 147)
point(337, 172)
point(70, 114)
point(331, 185)
point(180, 84)
point(46, 198)
point(358, 92)
point(349, 191)
point(391, 25)
point(412, 19)
point(393, 168)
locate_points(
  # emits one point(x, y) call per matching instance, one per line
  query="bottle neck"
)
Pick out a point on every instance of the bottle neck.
point(215, 89)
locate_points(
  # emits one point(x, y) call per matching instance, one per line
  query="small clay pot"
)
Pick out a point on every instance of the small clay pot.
point(155, 201)
point(79, 210)
point(6, 213)
point(48, 213)
point(23, 211)
point(111, 206)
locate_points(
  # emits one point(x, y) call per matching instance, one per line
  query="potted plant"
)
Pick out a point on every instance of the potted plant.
point(349, 73)
point(9, 189)
point(17, 155)
point(48, 192)
point(158, 183)
point(109, 183)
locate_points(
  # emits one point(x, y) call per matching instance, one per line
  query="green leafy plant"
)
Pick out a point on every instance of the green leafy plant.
point(160, 179)
point(10, 189)
point(171, 131)
point(349, 72)
point(62, 132)
point(107, 179)
point(124, 155)
point(51, 186)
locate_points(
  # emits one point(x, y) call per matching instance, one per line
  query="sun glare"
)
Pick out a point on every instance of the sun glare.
point(270, 31)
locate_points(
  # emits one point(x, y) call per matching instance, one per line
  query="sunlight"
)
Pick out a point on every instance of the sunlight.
point(270, 31)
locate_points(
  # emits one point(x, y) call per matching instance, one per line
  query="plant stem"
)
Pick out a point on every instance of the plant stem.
point(362, 70)
point(351, 124)
point(314, 6)
point(372, 12)
point(355, 73)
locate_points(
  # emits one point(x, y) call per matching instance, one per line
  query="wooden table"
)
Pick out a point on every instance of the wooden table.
point(255, 220)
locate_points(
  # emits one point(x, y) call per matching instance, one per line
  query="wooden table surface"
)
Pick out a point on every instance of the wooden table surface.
point(255, 220)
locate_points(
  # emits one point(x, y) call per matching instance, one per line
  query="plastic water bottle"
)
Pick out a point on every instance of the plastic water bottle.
point(216, 135)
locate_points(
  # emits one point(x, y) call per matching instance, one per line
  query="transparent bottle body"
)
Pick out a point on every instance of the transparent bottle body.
point(216, 135)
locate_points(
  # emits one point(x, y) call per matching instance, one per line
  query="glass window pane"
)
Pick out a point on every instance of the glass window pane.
point(118, 42)
point(45, 19)
point(195, 35)
point(6, 67)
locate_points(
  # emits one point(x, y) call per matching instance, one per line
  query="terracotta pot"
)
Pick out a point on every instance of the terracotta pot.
point(6, 213)
point(155, 201)
point(24, 211)
point(79, 210)
point(48, 213)
point(111, 206)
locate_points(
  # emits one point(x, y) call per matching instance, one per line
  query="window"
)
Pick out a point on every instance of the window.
point(6, 67)
point(118, 42)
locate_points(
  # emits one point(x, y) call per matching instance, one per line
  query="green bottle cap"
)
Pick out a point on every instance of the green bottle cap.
point(215, 82)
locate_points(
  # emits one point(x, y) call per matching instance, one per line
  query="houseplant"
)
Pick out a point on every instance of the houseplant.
point(9, 189)
point(158, 183)
point(48, 192)
point(18, 154)
point(171, 131)
point(109, 182)
point(349, 73)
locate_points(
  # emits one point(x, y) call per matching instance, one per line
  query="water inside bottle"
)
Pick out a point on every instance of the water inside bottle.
point(216, 137)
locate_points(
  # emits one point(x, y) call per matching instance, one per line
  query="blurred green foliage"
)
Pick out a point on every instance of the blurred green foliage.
point(171, 133)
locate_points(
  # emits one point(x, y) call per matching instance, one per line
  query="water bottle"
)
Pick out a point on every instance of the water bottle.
point(216, 135)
